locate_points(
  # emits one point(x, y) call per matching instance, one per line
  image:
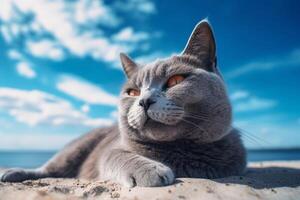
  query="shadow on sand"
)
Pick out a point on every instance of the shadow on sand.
point(266, 177)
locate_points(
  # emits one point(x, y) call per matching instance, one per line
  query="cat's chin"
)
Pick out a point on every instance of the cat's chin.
point(151, 122)
point(159, 131)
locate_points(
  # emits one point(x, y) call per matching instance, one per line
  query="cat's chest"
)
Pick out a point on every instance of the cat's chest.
point(185, 161)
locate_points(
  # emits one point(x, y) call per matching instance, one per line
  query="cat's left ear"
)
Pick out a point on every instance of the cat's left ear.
point(201, 44)
point(129, 66)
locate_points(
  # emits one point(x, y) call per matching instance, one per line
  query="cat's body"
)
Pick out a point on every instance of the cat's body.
point(174, 121)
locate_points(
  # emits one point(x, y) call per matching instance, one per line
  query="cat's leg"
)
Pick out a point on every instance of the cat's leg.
point(19, 175)
point(131, 169)
point(65, 163)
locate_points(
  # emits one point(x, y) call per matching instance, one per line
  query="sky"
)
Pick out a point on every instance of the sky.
point(60, 73)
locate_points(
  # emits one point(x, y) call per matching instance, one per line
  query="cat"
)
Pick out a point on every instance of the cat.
point(175, 120)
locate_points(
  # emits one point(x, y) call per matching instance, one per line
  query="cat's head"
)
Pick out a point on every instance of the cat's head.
point(179, 97)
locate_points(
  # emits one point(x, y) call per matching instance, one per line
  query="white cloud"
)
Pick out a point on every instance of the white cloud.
point(268, 131)
point(25, 69)
point(6, 34)
point(152, 57)
point(23, 66)
point(15, 54)
point(114, 114)
point(243, 101)
point(253, 104)
point(128, 35)
point(290, 60)
point(34, 107)
point(73, 25)
point(87, 11)
point(45, 49)
point(34, 141)
point(240, 94)
point(85, 108)
point(137, 6)
point(85, 91)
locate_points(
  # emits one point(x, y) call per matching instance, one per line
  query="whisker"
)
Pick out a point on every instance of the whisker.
point(252, 136)
point(195, 117)
point(194, 124)
point(246, 134)
point(203, 117)
point(201, 113)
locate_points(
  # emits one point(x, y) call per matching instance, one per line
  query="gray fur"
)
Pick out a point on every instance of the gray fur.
point(185, 132)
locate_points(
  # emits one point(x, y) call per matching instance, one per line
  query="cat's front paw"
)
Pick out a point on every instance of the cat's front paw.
point(151, 175)
point(15, 175)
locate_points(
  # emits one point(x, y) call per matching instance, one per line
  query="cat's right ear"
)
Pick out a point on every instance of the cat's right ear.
point(129, 66)
point(202, 45)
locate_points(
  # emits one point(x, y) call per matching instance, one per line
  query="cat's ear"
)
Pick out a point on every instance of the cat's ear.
point(201, 44)
point(128, 64)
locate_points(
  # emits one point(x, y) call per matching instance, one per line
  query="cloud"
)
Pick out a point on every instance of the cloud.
point(25, 70)
point(85, 108)
point(290, 60)
point(72, 27)
point(128, 35)
point(23, 66)
point(45, 49)
point(253, 104)
point(87, 11)
point(15, 54)
point(240, 94)
point(35, 107)
point(34, 141)
point(152, 57)
point(115, 114)
point(138, 6)
point(268, 131)
point(85, 91)
point(243, 101)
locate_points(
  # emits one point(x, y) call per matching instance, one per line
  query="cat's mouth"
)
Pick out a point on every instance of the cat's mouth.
point(149, 121)
point(155, 117)
point(166, 118)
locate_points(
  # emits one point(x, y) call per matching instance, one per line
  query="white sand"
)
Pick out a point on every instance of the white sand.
point(266, 180)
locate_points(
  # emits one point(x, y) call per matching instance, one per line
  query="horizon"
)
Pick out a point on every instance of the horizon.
point(60, 73)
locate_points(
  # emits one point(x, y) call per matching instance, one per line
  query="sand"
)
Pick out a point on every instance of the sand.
point(264, 180)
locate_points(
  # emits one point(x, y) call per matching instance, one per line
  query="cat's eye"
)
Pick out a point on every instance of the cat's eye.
point(133, 92)
point(174, 80)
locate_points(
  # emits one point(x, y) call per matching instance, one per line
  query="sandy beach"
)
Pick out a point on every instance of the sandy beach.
point(263, 180)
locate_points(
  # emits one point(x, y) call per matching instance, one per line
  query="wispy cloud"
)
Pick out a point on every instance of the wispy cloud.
point(45, 49)
point(254, 104)
point(152, 57)
point(128, 35)
point(243, 101)
point(290, 60)
point(35, 107)
point(23, 66)
point(34, 141)
point(239, 94)
point(138, 6)
point(51, 27)
point(15, 55)
point(268, 131)
point(25, 69)
point(85, 91)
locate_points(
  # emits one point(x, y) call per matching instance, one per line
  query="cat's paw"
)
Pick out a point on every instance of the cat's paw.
point(151, 175)
point(15, 175)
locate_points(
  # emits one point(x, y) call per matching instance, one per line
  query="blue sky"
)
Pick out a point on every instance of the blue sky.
point(60, 74)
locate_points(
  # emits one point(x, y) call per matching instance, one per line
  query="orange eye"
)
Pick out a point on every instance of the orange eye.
point(133, 92)
point(174, 80)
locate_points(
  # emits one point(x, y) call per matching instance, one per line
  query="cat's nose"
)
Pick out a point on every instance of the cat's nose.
point(145, 103)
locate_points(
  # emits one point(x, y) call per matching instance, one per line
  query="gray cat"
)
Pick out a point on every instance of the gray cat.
point(174, 121)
